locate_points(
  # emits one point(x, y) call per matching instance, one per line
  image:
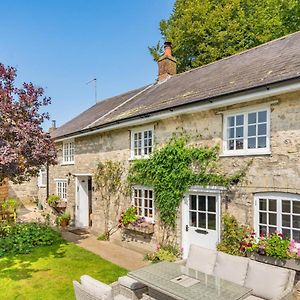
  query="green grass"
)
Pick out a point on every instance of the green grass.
point(47, 273)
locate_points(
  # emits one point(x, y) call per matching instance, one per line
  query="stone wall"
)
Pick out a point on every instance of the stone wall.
point(279, 171)
point(4, 190)
point(26, 192)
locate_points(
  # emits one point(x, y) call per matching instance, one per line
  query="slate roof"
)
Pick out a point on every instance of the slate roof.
point(273, 62)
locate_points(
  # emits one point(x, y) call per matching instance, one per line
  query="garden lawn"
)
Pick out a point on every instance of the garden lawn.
point(48, 272)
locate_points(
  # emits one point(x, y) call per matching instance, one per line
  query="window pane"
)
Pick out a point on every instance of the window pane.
point(251, 143)
point(231, 133)
point(296, 235)
point(262, 204)
point(231, 121)
point(262, 129)
point(193, 218)
point(239, 120)
point(262, 230)
point(272, 230)
point(211, 203)
point(296, 207)
point(296, 222)
point(231, 145)
point(286, 233)
point(252, 130)
point(193, 202)
point(251, 118)
point(211, 221)
point(239, 144)
point(261, 142)
point(272, 219)
point(202, 220)
point(202, 203)
point(262, 116)
point(239, 132)
point(286, 220)
point(286, 206)
point(272, 205)
point(263, 218)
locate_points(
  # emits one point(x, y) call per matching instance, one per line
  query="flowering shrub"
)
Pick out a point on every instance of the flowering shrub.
point(128, 216)
point(164, 253)
point(274, 245)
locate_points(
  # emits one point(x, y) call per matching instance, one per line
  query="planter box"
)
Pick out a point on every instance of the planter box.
point(293, 264)
point(144, 228)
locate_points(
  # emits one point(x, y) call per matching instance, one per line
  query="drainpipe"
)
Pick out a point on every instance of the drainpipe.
point(47, 181)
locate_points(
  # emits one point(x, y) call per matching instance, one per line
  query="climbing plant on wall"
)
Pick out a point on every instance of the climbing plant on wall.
point(172, 169)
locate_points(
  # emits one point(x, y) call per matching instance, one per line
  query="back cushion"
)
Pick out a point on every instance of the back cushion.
point(96, 288)
point(266, 281)
point(231, 268)
point(201, 259)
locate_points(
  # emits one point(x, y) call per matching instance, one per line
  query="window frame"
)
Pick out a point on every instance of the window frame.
point(64, 182)
point(143, 188)
point(64, 160)
point(279, 197)
point(42, 172)
point(245, 150)
point(142, 130)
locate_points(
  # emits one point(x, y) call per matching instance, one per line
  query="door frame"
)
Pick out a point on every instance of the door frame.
point(209, 190)
point(77, 184)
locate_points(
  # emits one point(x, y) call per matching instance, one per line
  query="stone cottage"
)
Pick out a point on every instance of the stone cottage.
point(248, 103)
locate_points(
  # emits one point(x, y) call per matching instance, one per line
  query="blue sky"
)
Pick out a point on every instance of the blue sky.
point(61, 45)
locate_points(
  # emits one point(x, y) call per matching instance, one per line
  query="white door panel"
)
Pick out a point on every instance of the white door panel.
point(82, 202)
point(200, 220)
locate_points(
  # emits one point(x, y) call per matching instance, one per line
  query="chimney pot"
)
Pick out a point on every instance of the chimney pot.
point(53, 126)
point(166, 63)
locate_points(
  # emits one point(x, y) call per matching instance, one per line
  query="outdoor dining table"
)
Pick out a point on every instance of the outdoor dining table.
point(168, 280)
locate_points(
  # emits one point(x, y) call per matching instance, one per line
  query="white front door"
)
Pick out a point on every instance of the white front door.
point(200, 219)
point(82, 202)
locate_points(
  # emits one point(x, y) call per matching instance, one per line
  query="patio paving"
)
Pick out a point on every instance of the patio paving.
point(121, 256)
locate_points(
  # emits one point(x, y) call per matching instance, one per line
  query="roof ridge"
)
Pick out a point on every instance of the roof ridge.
point(121, 104)
point(239, 53)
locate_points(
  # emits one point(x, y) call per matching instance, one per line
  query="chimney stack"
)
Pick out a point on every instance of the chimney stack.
point(166, 63)
point(53, 126)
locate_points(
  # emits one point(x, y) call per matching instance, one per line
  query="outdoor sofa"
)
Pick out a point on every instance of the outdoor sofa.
point(266, 281)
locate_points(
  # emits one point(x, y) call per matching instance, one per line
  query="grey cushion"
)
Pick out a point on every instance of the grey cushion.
point(130, 283)
point(266, 281)
point(201, 259)
point(96, 288)
point(231, 268)
point(253, 298)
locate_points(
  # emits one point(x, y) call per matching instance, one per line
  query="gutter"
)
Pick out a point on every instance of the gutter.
point(262, 92)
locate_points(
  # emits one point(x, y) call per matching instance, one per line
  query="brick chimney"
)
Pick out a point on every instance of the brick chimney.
point(53, 126)
point(166, 63)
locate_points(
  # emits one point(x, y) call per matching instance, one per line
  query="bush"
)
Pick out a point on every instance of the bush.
point(164, 253)
point(9, 205)
point(233, 235)
point(22, 238)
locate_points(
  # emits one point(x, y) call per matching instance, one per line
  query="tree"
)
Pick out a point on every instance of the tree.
point(24, 146)
point(110, 185)
point(203, 31)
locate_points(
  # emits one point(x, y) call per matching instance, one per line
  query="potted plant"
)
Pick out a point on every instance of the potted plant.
point(131, 221)
point(63, 220)
point(53, 200)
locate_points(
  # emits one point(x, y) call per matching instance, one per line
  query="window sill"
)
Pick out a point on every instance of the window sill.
point(236, 154)
point(67, 163)
point(41, 186)
point(138, 158)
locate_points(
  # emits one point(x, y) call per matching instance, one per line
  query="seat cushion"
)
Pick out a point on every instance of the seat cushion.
point(201, 259)
point(130, 283)
point(96, 288)
point(266, 281)
point(231, 268)
point(253, 298)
